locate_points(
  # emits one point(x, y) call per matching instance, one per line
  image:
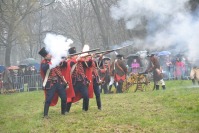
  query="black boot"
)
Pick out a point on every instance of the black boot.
point(110, 88)
point(46, 108)
point(99, 106)
point(193, 81)
point(157, 87)
point(118, 89)
point(63, 107)
point(163, 87)
point(85, 104)
point(105, 89)
point(68, 105)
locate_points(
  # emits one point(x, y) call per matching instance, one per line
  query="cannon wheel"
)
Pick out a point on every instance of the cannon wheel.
point(130, 81)
point(143, 83)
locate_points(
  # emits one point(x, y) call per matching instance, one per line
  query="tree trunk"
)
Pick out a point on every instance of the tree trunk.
point(7, 56)
point(82, 38)
point(99, 18)
point(9, 46)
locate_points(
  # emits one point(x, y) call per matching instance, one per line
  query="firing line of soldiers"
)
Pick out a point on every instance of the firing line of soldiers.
point(75, 78)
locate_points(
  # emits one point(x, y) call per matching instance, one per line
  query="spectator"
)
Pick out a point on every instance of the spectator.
point(179, 68)
point(169, 67)
point(135, 66)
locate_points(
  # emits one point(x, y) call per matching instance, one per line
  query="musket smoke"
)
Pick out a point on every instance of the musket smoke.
point(167, 22)
point(57, 46)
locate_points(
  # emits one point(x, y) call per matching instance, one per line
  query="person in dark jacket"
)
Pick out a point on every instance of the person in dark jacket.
point(157, 71)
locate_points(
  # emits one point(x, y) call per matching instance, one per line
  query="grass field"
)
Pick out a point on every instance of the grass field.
point(175, 110)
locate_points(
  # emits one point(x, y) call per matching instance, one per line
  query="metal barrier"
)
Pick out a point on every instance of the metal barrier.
point(17, 83)
point(27, 82)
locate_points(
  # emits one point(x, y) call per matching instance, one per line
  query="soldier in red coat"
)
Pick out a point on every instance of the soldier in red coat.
point(95, 79)
point(104, 73)
point(53, 82)
point(119, 70)
point(66, 71)
point(80, 81)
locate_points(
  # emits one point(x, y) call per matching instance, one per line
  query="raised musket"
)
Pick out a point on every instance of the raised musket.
point(112, 50)
point(79, 53)
point(104, 52)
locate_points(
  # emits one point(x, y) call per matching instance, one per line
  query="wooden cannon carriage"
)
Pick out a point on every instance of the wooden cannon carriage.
point(141, 81)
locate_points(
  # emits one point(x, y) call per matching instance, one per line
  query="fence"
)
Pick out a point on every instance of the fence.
point(27, 82)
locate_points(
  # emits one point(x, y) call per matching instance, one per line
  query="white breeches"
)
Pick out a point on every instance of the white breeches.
point(112, 81)
point(160, 81)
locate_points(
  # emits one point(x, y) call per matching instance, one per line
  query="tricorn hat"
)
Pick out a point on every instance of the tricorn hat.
point(43, 52)
point(72, 50)
point(119, 56)
point(106, 58)
point(150, 55)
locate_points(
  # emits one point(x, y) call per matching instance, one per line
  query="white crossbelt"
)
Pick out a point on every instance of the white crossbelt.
point(46, 77)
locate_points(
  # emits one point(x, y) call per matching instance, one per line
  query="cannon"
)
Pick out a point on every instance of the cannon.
point(141, 81)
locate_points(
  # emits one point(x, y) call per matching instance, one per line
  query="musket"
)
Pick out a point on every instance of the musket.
point(93, 50)
point(105, 52)
point(112, 50)
point(140, 73)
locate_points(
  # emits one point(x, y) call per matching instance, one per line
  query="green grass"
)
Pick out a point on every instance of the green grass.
point(175, 110)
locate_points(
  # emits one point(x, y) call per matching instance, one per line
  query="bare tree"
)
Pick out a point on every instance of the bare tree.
point(35, 28)
point(96, 9)
point(74, 19)
point(12, 12)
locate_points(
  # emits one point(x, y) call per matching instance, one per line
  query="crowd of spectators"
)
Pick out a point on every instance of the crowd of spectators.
point(176, 68)
point(17, 78)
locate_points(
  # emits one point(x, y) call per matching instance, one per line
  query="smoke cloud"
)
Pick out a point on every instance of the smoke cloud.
point(167, 23)
point(57, 46)
point(123, 44)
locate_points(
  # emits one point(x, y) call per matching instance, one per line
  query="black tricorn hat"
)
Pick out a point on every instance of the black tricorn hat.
point(43, 52)
point(72, 50)
point(119, 56)
point(150, 55)
point(106, 58)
